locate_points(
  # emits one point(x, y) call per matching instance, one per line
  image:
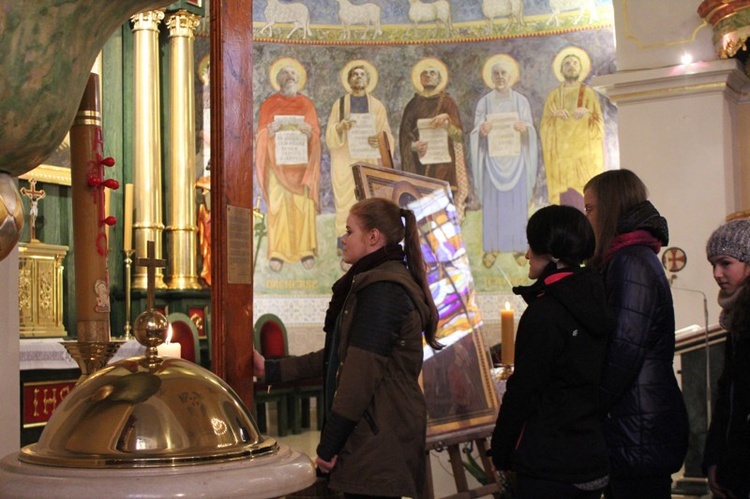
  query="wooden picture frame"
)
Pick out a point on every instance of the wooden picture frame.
point(457, 380)
point(55, 169)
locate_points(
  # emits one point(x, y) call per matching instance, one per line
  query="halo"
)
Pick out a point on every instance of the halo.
point(509, 61)
point(404, 188)
point(424, 64)
point(372, 81)
point(203, 67)
point(576, 51)
point(283, 62)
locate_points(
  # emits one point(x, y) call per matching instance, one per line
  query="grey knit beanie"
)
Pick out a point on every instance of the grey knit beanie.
point(733, 239)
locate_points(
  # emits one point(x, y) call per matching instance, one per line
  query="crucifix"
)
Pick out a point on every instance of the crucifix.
point(150, 262)
point(34, 197)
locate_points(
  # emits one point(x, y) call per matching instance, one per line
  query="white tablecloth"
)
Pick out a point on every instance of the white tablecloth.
point(49, 353)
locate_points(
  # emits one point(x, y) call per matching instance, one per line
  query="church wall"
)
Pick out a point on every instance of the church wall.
point(657, 34)
point(671, 178)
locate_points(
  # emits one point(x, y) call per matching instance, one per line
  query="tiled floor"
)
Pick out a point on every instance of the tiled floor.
point(307, 441)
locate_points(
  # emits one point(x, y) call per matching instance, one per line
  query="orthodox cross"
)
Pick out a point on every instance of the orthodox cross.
point(150, 262)
point(34, 197)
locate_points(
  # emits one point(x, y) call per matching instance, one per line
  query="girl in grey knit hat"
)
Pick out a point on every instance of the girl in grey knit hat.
point(726, 460)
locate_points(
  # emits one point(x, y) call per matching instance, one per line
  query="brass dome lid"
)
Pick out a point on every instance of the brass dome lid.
point(137, 414)
point(148, 411)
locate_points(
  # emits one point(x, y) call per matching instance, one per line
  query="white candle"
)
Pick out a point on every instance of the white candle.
point(128, 218)
point(169, 350)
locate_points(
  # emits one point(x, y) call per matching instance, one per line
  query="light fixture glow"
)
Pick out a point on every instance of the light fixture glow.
point(686, 59)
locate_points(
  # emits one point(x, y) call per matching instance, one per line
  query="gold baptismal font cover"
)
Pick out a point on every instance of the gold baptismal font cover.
point(149, 411)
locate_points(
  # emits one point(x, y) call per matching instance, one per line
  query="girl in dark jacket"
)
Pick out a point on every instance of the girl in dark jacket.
point(373, 438)
point(549, 430)
point(726, 460)
point(645, 421)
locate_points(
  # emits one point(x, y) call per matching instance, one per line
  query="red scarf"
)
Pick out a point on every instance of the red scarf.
point(642, 237)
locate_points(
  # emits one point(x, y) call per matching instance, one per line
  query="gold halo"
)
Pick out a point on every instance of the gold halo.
point(203, 68)
point(283, 62)
point(372, 73)
point(510, 62)
point(404, 187)
point(576, 51)
point(424, 64)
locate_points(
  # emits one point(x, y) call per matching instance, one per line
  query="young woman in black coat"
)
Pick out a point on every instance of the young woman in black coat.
point(645, 419)
point(726, 460)
point(549, 430)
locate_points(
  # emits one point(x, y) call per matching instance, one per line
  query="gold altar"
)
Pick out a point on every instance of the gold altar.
point(40, 290)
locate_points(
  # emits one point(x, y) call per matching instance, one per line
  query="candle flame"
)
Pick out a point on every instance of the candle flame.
point(169, 335)
point(507, 305)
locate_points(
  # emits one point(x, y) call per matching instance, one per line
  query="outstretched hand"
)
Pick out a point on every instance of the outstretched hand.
point(259, 364)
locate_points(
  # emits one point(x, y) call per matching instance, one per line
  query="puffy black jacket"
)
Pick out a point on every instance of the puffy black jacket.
point(549, 423)
point(645, 423)
point(728, 440)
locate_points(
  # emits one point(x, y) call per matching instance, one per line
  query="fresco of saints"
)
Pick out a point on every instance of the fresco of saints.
point(424, 148)
point(356, 122)
point(572, 130)
point(504, 159)
point(287, 161)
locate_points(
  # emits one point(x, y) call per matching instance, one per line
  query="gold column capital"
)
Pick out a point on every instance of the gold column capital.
point(147, 20)
point(183, 23)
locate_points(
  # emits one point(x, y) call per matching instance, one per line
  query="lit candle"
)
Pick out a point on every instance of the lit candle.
point(128, 224)
point(507, 337)
point(169, 349)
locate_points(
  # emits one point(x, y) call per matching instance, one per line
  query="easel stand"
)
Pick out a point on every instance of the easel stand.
point(452, 442)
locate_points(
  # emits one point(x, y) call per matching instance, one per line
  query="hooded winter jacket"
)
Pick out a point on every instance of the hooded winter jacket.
point(549, 425)
point(645, 421)
point(377, 420)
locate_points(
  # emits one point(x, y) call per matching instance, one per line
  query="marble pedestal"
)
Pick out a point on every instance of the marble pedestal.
point(274, 475)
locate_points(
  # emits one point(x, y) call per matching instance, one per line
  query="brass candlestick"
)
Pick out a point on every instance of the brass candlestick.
point(128, 264)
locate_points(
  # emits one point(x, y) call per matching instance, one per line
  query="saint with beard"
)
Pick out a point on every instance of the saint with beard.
point(430, 77)
point(359, 78)
point(290, 190)
point(572, 130)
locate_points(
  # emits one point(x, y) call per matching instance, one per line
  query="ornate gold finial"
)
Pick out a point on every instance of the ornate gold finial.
point(34, 196)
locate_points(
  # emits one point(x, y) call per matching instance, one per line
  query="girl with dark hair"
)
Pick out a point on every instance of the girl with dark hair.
point(726, 460)
point(549, 429)
point(373, 439)
point(645, 422)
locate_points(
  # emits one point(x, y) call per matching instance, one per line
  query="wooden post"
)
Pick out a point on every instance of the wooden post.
point(231, 192)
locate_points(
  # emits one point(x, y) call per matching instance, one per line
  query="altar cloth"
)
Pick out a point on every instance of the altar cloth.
point(49, 353)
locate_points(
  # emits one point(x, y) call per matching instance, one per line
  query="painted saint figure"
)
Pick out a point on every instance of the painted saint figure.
point(504, 159)
point(204, 227)
point(572, 130)
point(288, 166)
point(431, 103)
point(356, 122)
